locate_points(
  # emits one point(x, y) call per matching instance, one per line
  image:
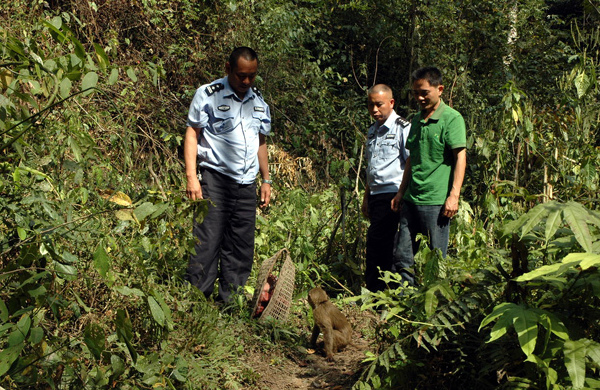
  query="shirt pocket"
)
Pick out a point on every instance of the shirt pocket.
point(259, 119)
point(389, 149)
point(436, 143)
point(223, 123)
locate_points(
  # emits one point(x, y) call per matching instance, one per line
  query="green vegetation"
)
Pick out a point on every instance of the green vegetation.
point(95, 230)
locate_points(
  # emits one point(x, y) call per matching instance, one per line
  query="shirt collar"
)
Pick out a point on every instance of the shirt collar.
point(389, 122)
point(228, 91)
point(437, 114)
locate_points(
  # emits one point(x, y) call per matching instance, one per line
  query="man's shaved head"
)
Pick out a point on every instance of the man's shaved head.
point(381, 88)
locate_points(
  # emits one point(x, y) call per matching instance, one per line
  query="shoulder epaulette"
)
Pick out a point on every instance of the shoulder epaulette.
point(256, 91)
point(214, 88)
point(402, 121)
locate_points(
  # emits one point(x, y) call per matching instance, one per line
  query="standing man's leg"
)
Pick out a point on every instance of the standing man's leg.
point(436, 226)
point(237, 251)
point(407, 244)
point(203, 266)
point(380, 239)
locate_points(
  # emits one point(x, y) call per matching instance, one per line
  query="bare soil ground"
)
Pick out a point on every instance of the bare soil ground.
point(307, 369)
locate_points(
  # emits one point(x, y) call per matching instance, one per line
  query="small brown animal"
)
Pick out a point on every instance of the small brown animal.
point(330, 321)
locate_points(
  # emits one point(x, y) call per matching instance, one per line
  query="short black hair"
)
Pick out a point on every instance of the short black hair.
point(429, 73)
point(242, 51)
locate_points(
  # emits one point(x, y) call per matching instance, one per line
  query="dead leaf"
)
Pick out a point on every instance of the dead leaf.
point(116, 197)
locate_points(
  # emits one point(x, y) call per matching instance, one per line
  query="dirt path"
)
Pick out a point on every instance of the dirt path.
point(308, 370)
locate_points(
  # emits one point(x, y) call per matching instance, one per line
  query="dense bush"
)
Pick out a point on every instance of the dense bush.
point(95, 230)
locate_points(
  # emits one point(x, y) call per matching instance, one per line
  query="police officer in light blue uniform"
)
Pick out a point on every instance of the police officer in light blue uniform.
point(386, 157)
point(224, 149)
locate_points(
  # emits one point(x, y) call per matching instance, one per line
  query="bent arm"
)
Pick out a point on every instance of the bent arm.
point(460, 165)
point(190, 154)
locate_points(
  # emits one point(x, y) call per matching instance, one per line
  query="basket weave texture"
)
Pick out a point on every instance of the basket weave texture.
point(281, 300)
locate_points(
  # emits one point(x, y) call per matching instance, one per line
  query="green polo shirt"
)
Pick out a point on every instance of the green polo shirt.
point(432, 161)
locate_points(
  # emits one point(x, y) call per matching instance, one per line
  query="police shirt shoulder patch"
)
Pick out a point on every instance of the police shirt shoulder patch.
point(256, 91)
point(402, 121)
point(214, 88)
point(223, 107)
point(259, 109)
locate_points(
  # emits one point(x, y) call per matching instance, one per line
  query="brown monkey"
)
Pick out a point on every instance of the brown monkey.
point(330, 321)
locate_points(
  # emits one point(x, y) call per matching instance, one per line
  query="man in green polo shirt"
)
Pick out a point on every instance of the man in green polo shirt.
point(434, 172)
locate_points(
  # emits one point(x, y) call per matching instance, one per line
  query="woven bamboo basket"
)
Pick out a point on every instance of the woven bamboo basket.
point(280, 265)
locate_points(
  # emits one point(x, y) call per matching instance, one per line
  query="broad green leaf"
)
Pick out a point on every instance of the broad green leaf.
point(553, 222)
point(159, 209)
point(534, 216)
point(8, 357)
point(114, 76)
point(593, 351)
point(165, 308)
point(144, 210)
point(131, 74)
point(431, 301)
point(576, 217)
point(101, 261)
point(502, 326)
point(37, 292)
point(590, 261)
point(447, 291)
point(89, 81)
point(556, 268)
point(129, 291)
point(69, 258)
point(526, 326)
point(18, 335)
point(575, 361)
point(513, 226)
point(156, 310)
point(117, 364)
point(21, 233)
point(54, 25)
point(95, 339)
point(65, 88)
point(555, 325)
point(36, 335)
point(67, 272)
point(497, 312)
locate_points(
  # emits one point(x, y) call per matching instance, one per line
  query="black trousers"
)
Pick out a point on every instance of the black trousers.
point(225, 246)
point(380, 239)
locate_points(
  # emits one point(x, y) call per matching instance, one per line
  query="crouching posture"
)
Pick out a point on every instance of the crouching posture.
point(330, 321)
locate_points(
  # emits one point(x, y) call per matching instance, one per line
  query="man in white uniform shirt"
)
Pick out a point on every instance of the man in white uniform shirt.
point(386, 157)
point(224, 149)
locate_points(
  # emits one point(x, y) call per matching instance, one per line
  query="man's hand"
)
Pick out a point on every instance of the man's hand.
point(450, 207)
point(397, 202)
point(265, 195)
point(364, 208)
point(193, 190)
